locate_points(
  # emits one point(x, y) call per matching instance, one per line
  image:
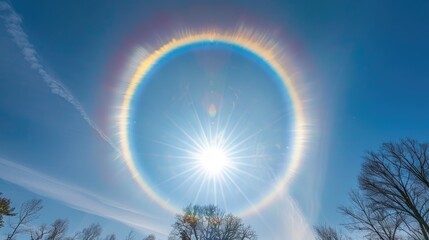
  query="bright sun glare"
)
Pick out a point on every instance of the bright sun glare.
point(213, 160)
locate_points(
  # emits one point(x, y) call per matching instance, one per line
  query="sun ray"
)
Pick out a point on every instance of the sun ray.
point(172, 146)
point(241, 191)
point(250, 175)
point(192, 169)
point(196, 145)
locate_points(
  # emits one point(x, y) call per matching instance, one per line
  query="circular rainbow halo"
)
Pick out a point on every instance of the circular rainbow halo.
point(213, 157)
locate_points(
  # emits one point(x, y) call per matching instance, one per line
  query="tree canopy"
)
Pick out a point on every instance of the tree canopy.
point(209, 223)
point(392, 201)
point(5, 209)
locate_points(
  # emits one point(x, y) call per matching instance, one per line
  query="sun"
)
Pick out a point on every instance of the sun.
point(213, 160)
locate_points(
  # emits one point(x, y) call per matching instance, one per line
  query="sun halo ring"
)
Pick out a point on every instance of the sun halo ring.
point(258, 45)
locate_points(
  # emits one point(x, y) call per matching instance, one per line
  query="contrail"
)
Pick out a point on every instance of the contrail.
point(78, 198)
point(13, 26)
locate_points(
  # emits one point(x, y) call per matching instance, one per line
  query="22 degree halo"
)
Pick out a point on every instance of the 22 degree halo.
point(250, 41)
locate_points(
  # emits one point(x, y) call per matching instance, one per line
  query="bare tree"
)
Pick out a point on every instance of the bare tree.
point(58, 229)
point(374, 222)
point(110, 237)
point(73, 237)
point(92, 232)
point(130, 235)
point(209, 222)
point(414, 157)
point(324, 232)
point(394, 179)
point(5, 209)
point(29, 211)
point(150, 237)
point(39, 233)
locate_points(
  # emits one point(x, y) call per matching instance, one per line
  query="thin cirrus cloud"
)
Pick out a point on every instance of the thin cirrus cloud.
point(43, 185)
point(13, 24)
point(294, 223)
point(78, 198)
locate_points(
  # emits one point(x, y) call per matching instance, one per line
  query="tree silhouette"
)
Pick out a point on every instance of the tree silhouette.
point(324, 232)
point(374, 222)
point(29, 211)
point(150, 237)
point(58, 229)
point(90, 233)
point(389, 180)
point(39, 233)
point(209, 223)
point(110, 237)
point(392, 201)
point(5, 209)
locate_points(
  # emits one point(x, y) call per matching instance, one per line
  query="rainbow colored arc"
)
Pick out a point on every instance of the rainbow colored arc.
point(261, 47)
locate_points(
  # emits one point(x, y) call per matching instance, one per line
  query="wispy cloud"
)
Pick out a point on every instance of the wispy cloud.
point(13, 23)
point(295, 225)
point(78, 198)
point(283, 220)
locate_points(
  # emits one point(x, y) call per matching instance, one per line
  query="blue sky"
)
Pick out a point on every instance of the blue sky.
point(362, 66)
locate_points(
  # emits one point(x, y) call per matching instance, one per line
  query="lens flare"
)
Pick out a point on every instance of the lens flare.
point(212, 110)
point(214, 159)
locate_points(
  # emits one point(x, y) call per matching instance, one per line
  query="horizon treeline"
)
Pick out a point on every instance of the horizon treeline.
point(195, 223)
point(18, 223)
